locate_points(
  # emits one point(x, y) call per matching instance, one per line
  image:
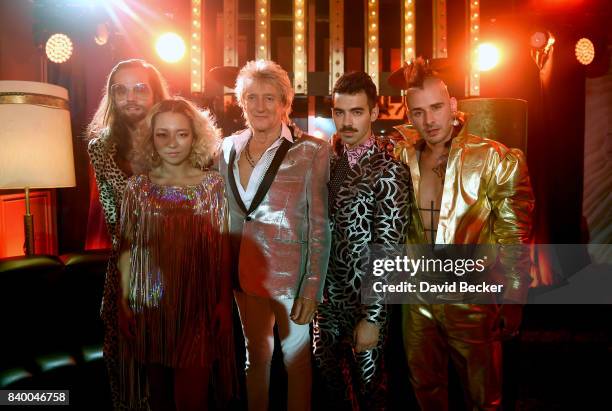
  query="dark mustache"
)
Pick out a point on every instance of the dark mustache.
point(343, 129)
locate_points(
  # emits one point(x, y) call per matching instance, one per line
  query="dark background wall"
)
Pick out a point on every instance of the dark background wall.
point(556, 101)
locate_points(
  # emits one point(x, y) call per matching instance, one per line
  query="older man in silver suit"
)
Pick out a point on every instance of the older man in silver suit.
point(277, 190)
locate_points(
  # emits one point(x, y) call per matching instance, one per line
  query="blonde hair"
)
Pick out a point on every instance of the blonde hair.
point(206, 135)
point(270, 72)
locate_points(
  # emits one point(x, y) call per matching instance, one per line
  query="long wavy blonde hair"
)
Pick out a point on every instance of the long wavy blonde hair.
point(206, 135)
point(107, 118)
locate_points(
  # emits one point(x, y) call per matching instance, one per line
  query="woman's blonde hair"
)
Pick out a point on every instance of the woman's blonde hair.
point(206, 135)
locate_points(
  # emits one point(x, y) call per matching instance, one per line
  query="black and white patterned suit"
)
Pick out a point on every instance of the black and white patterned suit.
point(369, 203)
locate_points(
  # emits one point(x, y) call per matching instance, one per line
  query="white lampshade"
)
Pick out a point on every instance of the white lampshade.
point(35, 136)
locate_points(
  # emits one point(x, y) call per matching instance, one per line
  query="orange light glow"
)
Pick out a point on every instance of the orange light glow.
point(487, 56)
point(170, 47)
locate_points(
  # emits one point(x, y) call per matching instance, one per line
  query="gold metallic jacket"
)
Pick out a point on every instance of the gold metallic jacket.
point(486, 199)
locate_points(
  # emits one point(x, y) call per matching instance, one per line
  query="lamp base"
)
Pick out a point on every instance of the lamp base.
point(28, 226)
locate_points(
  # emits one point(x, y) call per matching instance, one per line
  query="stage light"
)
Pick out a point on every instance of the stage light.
point(58, 48)
point(170, 47)
point(487, 56)
point(585, 51)
point(538, 39)
point(102, 34)
point(541, 46)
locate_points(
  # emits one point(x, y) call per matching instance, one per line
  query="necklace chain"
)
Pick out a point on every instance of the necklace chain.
point(249, 159)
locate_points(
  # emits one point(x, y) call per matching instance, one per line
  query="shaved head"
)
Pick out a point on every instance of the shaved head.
point(431, 110)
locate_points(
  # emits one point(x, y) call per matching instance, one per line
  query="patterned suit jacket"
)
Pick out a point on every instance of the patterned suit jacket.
point(372, 206)
point(281, 245)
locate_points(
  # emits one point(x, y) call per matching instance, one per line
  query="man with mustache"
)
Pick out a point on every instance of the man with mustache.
point(467, 190)
point(369, 200)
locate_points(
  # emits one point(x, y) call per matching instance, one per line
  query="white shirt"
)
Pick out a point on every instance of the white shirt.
point(240, 142)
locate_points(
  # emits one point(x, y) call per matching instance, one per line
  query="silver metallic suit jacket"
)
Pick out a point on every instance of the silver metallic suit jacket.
point(281, 246)
point(487, 199)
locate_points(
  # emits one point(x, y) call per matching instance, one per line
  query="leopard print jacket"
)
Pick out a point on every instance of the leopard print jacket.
point(111, 180)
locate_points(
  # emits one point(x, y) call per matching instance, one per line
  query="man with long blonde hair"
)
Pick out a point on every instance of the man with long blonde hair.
point(132, 88)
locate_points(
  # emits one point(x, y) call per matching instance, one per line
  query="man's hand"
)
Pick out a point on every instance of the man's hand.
point(510, 316)
point(303, 310)
point(365, 336)
point(127, 323)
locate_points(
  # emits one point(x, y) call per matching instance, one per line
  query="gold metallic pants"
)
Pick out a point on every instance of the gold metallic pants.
point(469, 335)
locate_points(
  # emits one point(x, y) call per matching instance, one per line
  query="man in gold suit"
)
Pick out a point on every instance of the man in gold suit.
point(468, 190)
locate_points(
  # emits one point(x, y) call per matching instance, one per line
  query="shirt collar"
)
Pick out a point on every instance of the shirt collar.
point(241, 139)
point(355, 153)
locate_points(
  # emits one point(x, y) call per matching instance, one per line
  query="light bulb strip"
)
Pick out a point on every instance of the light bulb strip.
point(372, 41)
point(300, 67)
point(440, 31)
point(262, 29)
point(473, 80)
point(336, 41)
point(196, 57)
point(230, 35)
point(408, 30)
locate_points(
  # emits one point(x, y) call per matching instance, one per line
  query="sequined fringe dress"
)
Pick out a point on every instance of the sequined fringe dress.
point(176, 238)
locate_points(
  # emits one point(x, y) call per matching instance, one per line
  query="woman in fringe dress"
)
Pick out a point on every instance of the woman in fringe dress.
point(175, 309)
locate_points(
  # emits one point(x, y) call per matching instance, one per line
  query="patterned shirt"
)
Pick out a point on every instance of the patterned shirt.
point(355, 153)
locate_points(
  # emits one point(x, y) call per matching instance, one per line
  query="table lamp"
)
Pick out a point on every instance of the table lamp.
point(35, 142)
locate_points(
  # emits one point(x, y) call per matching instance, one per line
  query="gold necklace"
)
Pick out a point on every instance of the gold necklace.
point(249, 159)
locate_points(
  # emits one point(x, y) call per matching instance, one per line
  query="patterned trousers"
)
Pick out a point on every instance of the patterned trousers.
point(353, 381)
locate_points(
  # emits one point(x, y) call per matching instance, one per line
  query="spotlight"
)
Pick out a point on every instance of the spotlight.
point(101, 37)
point(541, 46)
point(487, 56)
point(539, 39)
point(58, 48)
point(170, 47)
point(585, 51)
